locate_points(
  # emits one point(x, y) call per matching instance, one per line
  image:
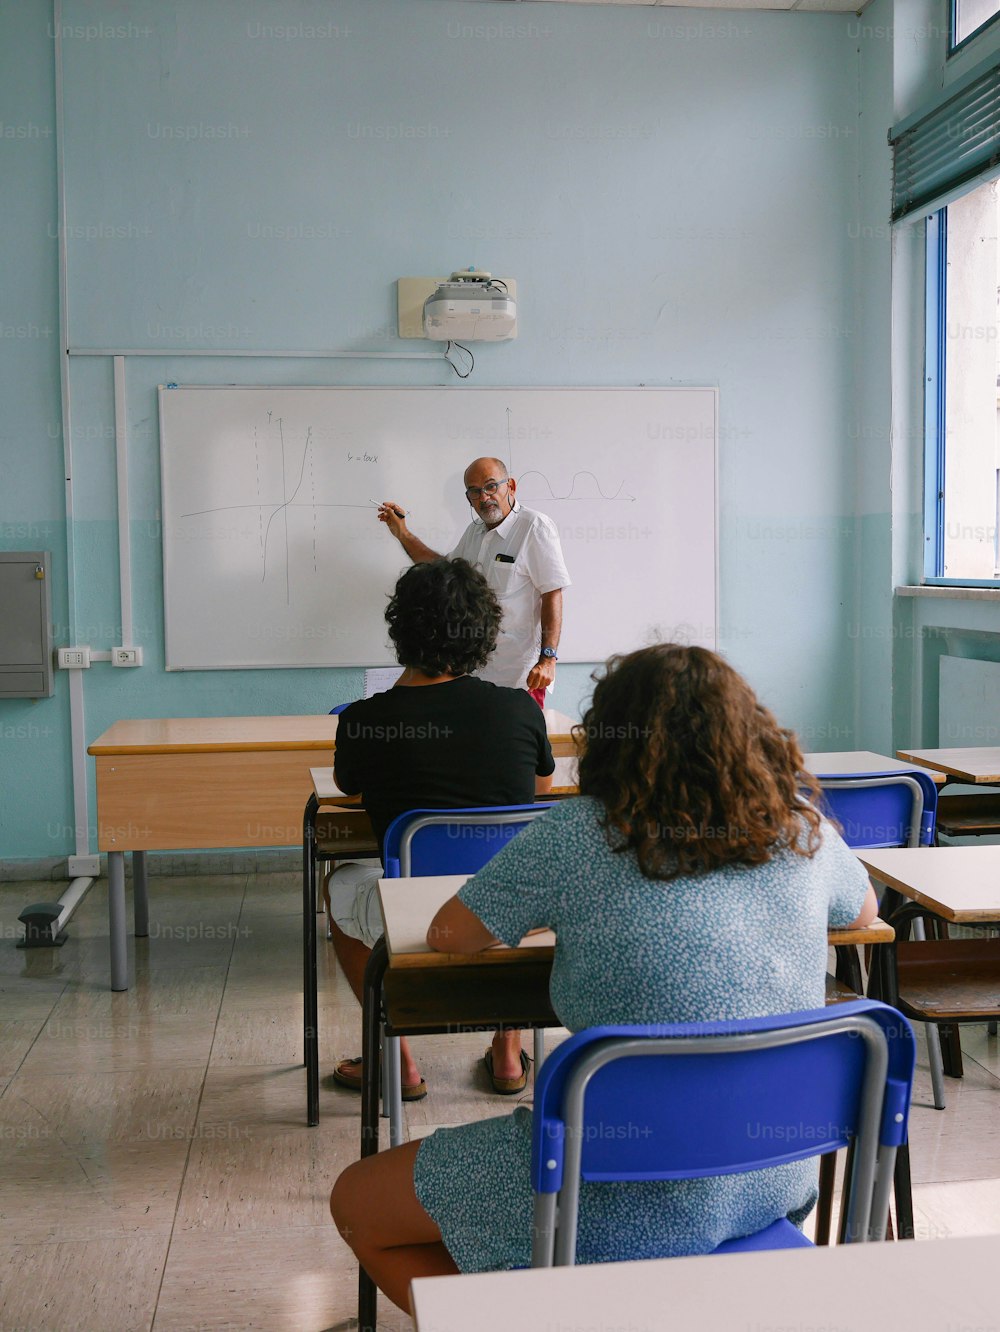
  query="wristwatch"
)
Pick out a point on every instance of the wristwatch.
point(548, 652)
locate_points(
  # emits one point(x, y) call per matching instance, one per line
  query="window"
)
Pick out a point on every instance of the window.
point(946, 156)
point(962, 468)
point(968, 16)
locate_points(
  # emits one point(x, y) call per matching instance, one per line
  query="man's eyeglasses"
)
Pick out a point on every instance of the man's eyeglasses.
point(491, 488)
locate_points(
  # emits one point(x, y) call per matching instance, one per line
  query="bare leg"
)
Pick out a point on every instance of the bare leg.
point(375, 1208)
point(353, 957)
point(507, 1054)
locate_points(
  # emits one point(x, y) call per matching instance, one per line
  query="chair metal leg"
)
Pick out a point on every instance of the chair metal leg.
point(824, 1204)
point(371, 1023)
point(904, 1193)
point(933, 1044)
point(392, 1090)
point(367, 1302)
point(310, 999)
point(539, 1048)
point(845, 1199)
point(951, 1049)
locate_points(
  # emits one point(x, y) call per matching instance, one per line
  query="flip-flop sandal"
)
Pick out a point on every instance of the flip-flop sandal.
point(507, 1086)
point(348, 1074)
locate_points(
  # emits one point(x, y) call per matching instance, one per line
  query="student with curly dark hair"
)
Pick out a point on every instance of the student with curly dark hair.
point(443, 618)
point(693, 881)
point(439, 739)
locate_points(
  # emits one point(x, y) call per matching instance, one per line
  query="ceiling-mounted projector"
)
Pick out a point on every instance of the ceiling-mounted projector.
point(471, 306)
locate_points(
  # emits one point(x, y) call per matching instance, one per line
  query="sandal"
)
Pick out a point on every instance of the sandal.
point(507, 1086)
point(348, 1073)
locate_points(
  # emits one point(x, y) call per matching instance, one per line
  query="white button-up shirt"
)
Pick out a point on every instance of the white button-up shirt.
point(521, 559)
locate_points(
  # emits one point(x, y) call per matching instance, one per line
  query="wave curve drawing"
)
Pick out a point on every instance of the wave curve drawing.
point(570, 495)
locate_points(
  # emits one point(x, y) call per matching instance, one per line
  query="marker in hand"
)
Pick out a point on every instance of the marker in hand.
point(393, 508)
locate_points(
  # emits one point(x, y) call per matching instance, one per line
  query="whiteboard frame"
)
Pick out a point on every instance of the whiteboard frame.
point(164, 389)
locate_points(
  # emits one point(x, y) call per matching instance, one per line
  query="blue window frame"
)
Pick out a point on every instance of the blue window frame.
point(934, 394)
point(957, 531)
point(967, 19)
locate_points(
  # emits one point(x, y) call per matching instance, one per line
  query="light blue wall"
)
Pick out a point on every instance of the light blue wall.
point(35, 805)
point(677, 192)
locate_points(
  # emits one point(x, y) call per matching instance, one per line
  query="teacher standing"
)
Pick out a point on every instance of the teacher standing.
point(518, 552)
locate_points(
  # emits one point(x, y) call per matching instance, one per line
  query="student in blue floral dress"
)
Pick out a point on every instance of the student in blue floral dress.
point(689, 882)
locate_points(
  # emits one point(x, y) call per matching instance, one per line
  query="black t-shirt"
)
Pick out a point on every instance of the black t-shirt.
point(446, 746)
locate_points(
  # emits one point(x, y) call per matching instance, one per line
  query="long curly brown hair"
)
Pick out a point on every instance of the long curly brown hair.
point(692, 771)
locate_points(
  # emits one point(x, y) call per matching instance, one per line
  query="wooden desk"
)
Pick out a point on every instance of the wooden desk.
point(198, 782)
point(852, 762)
point(945, 981)
point(426, 991)
point(924, 1287)
point(960, 884)
point(419, 991)
point(979, 765)
point(326, 794)
point(972, 814)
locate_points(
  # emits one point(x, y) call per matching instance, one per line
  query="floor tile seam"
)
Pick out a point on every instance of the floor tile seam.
point(37, 1037)
point(921, 1182)
point(197, 1112)
point(8, 1246)
point(990, 1073)
point(255, 1232)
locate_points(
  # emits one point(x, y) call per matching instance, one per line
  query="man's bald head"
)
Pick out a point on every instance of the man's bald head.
point(494, 470)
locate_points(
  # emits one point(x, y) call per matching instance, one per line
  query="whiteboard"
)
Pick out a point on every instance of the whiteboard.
point(273, 555)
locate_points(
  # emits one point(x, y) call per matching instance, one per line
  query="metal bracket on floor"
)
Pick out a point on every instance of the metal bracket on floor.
point(44, 921)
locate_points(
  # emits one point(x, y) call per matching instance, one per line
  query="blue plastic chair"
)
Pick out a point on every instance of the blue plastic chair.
point(820, 1080)
point(443, 841)
point(884, 810)
point(452, 841)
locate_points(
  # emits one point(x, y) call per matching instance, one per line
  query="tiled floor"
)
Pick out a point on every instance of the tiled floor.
point(156, 1168)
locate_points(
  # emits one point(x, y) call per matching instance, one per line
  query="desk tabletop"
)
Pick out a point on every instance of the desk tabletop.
point(976, 765)
point(408, 907)
point(329, 793)
point(849, 762)
point(198, 735)
point(923, 1287)
point(958, 883)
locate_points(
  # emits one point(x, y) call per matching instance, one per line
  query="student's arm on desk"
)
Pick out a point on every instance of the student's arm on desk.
point(543, 785)
point(456, 929)
point(868, 911)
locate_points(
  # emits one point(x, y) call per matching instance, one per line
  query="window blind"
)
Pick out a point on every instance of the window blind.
point(954, 141)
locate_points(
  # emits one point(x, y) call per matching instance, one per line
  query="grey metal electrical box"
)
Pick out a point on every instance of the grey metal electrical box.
point(25, 624)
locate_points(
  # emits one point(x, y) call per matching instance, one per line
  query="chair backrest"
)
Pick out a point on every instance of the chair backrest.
point(883, 809)
point(339, 708)
point(452, 841)
point(687, 1101)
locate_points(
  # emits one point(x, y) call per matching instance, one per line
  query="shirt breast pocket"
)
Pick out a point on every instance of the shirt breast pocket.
point(506, 579)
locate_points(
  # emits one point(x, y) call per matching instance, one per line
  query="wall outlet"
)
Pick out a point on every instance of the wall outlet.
point(126, 656)
point(73, 658)
point(84, 867)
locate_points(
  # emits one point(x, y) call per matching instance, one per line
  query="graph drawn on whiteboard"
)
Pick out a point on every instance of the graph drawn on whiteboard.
point(274, 555)
point(296, 460)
